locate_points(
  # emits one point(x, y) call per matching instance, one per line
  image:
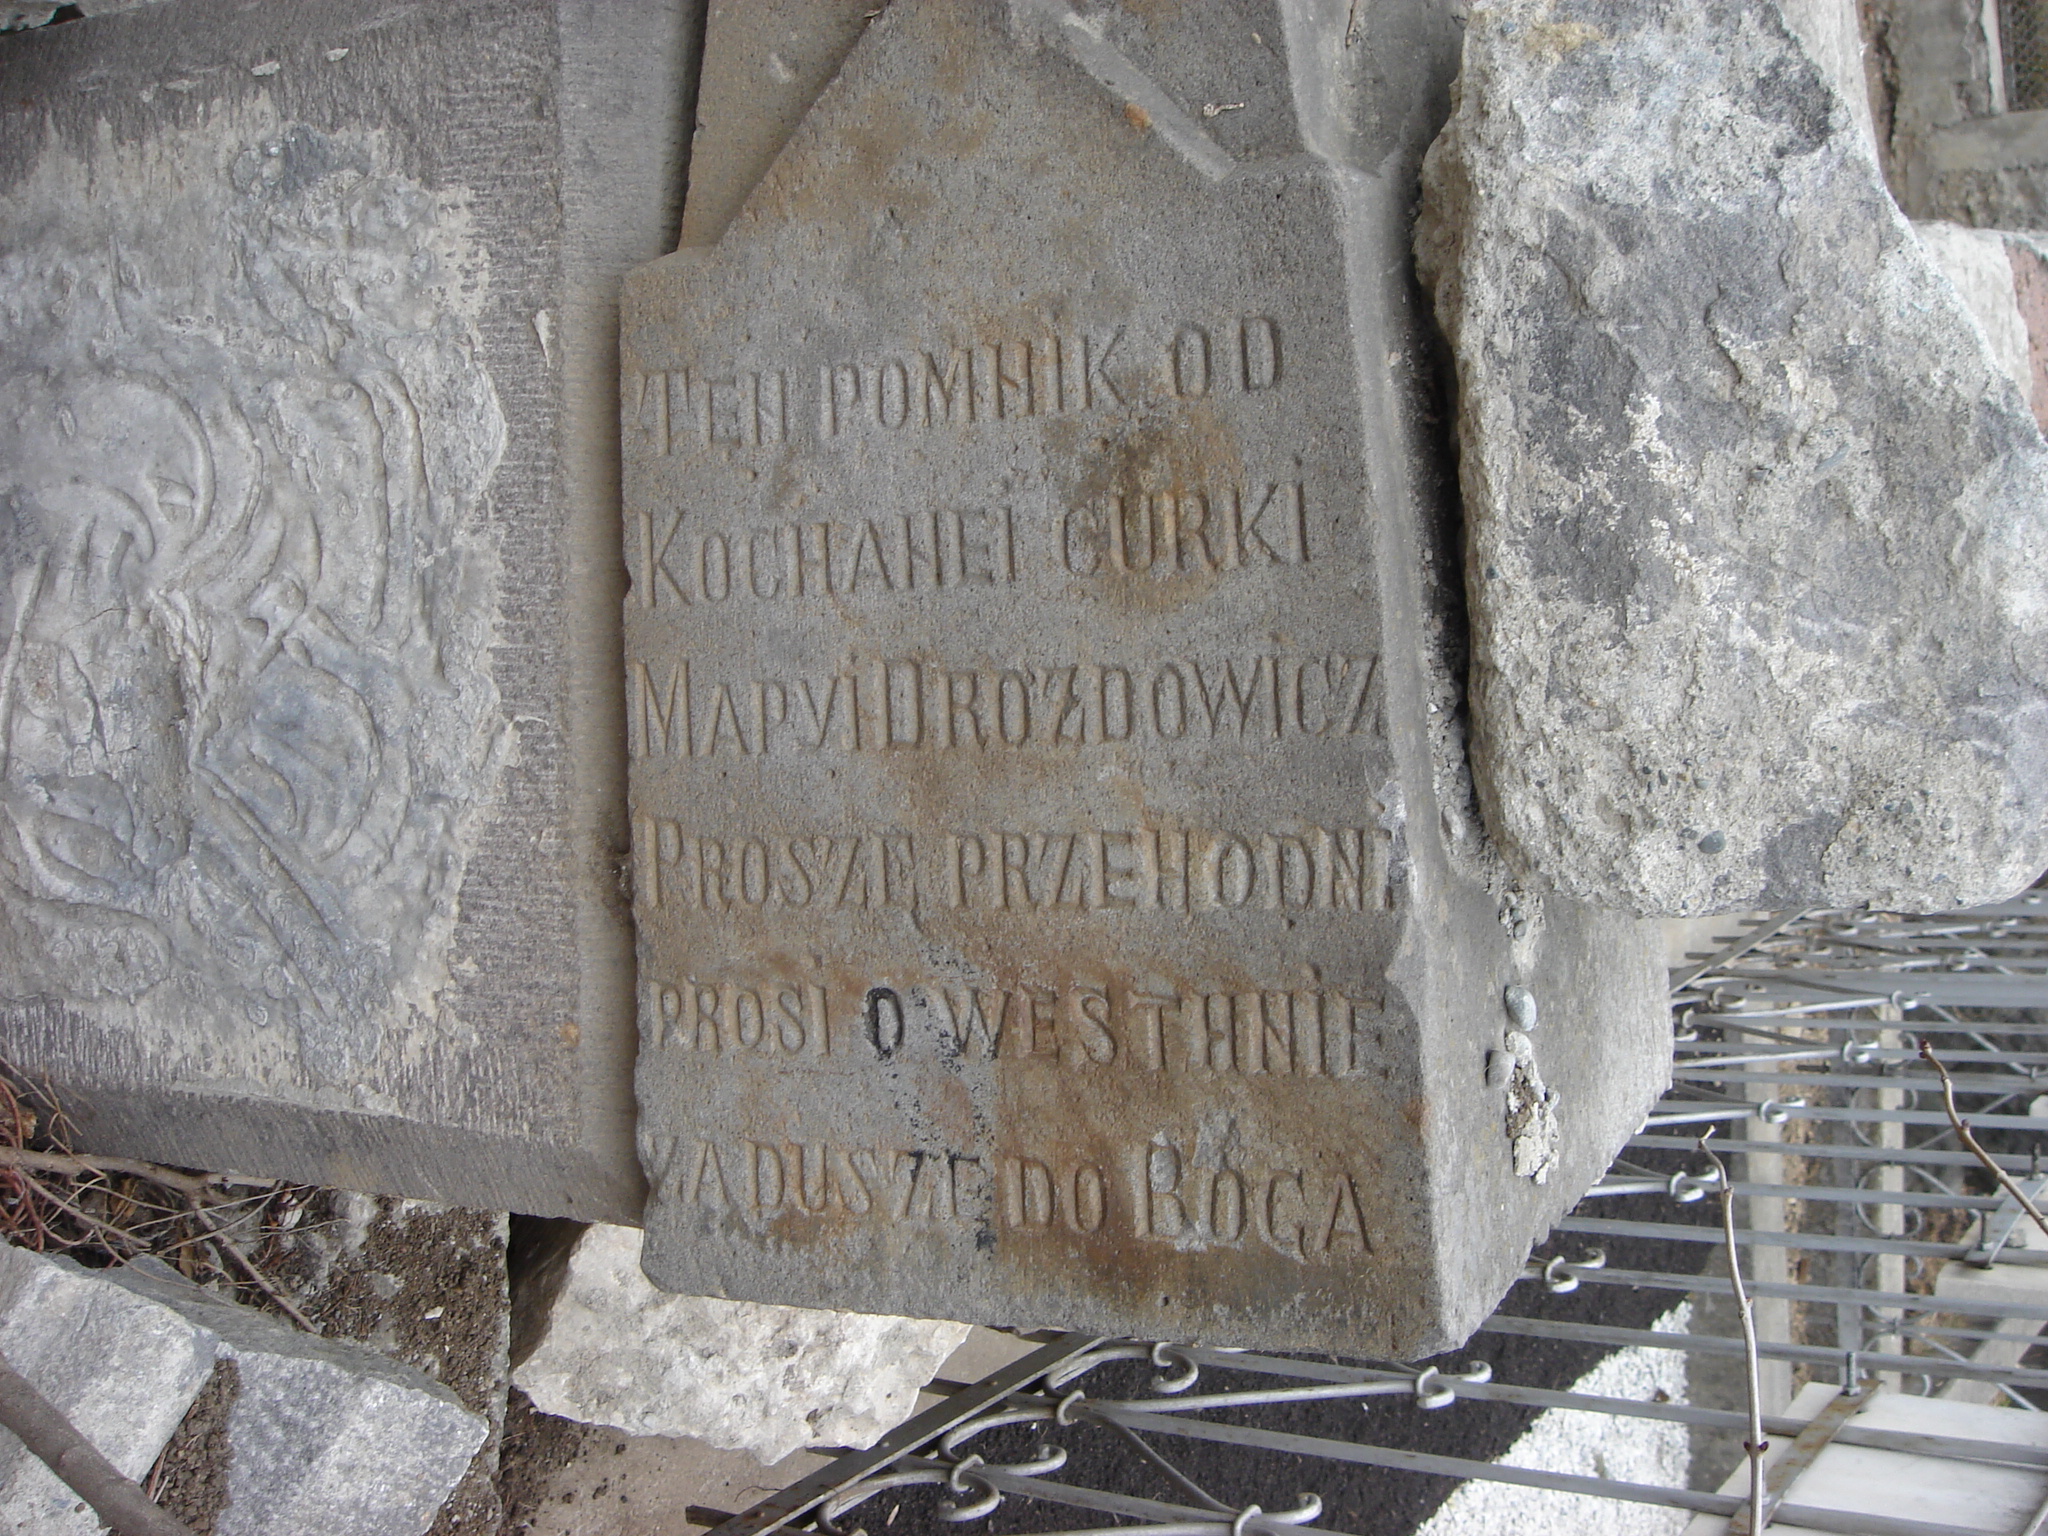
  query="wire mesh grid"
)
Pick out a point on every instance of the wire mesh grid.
point(1807, 1044)
point(2023, 41)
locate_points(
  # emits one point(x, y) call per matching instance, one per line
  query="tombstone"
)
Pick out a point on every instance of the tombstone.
point(1057, 887)
point(312, 736)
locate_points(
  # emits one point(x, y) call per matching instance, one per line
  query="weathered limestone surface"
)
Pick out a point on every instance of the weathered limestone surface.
point(1757, 529)
point(120, 1366)
point(738, 1375)
point(311, 785)
point(1047, 910)
point(324, 1435)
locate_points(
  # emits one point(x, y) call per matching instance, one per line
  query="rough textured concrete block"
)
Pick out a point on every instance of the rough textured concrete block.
point(324, 1435)
point(121, 1367)
point(738, 1375)
point(1056, 893)
point(1757, 530)
point(311, 774)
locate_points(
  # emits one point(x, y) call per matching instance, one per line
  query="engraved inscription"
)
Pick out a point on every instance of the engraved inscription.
point(1242, 526)
point(950, 385)
point(1150, 869)
point(1255, 525)
point(1154, 1192)
point(1173, 1031)
point(896, 704)
point(934, 550)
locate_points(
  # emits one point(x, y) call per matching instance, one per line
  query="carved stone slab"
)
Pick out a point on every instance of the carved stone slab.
point(1048, 908)
point(311, 758)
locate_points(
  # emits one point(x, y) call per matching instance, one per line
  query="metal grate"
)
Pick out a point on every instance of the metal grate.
point(1798, 1042)
point(2023, 42)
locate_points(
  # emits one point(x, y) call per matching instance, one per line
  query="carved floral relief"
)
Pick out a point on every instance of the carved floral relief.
point(246, 709)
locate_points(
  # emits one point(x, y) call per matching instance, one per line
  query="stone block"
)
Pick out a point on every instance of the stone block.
point(1757, 528)
point(121, 1367)
point(311, 762)
point(738, 1375)
point(324, 1435)
point(1057, 893)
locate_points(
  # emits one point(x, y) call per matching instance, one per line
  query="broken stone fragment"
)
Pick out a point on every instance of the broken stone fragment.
point(1756, 553)
point(739, 1375)
point(324, 1435)
point(122, 1368)
point(317, 591)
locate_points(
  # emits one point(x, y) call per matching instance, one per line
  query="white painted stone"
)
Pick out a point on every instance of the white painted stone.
point(1975, 260)
point(738, 1375)
point(1869, 1481)
point(121, 1367)
point(1833, 34)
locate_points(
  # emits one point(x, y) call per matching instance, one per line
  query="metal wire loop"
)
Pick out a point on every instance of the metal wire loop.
point(1253, 1517)
point(1778, 1111)
point(859, 1493)
point(1082, 1364)
point(1558, 1276)
point(961, 1433)
point(1689, 1187)
point(1434, 1389)
point(1165, 1355)
point(960, 1479)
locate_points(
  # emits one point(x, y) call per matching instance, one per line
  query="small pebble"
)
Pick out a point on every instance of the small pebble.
point(1521, 1006)
point(1500, 1066)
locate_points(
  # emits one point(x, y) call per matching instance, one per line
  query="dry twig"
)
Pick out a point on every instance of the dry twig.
point(42, 1427)
point(56, 1200)
point(128, 1242)
point(1962, 1129)
point(79, 1166)
point(248, 1267)
point(1745, 1311)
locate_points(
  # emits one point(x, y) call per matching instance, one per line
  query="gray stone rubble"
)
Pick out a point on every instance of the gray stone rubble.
point(1757, 536)
point(324, 1435)
point(120, 1367)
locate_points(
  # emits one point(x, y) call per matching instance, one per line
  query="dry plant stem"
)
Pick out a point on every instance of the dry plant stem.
point(1962, 1129)
point(1745, 1311)
point(248, 1267)
point(125, 1240)
point(69, 1163)
point(54, 1439)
